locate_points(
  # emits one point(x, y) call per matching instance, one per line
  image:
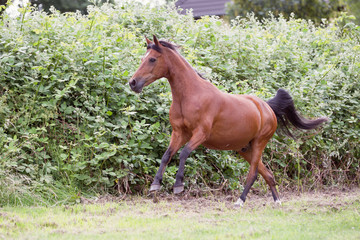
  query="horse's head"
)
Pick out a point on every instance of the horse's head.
point(153, 66)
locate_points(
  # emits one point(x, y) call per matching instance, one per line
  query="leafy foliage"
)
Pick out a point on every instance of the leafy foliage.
point(65, 5)
point(353, 7)
point(315, 10)
point(3, 5)
point(69, 122)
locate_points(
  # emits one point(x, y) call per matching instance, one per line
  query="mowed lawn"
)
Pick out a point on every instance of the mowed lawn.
point(330, 215)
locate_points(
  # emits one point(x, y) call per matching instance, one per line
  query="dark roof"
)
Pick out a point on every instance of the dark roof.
point(203, 7)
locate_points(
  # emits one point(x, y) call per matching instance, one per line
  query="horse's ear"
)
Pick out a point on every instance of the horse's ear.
point(147, 40)
point(156, 41)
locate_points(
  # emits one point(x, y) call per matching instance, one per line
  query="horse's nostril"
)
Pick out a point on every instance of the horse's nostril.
point(132, 83)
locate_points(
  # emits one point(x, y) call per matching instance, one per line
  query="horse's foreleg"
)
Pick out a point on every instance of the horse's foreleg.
point(175, 143)
point(158, 177)
point(197, 138)
point(179, 183)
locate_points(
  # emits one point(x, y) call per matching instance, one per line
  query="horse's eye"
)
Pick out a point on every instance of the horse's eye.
point(152, 59)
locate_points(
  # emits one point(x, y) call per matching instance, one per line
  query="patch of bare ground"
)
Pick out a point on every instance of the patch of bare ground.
point(330, 199)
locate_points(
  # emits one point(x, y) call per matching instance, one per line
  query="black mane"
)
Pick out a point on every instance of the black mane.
point(164, 44)
point(172, 47)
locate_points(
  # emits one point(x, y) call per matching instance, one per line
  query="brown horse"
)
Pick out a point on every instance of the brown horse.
point(201, 114)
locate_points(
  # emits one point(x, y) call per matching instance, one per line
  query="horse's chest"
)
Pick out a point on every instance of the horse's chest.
point(183, 118)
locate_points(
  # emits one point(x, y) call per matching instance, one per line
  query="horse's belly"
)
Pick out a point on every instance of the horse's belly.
point(234, 138)
point(234, 130)
point(225, 145)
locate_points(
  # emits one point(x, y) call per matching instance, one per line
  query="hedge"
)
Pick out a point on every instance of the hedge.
point(70, 125)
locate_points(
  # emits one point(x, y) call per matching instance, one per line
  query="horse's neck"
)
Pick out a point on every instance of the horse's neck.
point(182, 78)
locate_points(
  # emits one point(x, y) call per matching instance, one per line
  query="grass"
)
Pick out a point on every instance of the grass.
point(331, 215)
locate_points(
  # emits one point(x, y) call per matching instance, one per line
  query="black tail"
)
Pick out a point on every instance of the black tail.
point(283, 106)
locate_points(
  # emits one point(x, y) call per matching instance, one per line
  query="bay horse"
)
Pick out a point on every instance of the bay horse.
point(202, 114)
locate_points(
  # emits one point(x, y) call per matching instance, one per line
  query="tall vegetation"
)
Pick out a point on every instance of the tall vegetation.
point(2, 5)
point(69, 124)
point(354, 9)
point(66, 5)
point(315, 10)
point(61, 5)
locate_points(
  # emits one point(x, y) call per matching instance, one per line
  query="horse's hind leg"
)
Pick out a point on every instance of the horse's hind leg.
point(252, 175)
point(253, 156)
point(267, 175)
point(269, 178)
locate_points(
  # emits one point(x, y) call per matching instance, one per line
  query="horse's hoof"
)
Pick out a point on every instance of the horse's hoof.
point(155, 197)
point(178, 189)
point(239, 203)
point(154, 188)
point(278, 202)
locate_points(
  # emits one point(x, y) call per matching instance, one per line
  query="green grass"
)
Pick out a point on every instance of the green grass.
point(309, 216)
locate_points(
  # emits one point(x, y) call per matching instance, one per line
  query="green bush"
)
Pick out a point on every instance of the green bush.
point(70, 125)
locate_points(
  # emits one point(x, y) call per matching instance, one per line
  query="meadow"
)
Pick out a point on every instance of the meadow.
point(318, 215)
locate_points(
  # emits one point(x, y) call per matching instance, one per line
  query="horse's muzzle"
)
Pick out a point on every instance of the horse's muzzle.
point(136, 85)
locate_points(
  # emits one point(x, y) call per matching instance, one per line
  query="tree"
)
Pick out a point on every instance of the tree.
point(65, 5)
point(306, 9)
point(354, 9)
point(2, 6)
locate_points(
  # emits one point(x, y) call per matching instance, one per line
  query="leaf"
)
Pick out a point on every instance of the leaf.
point(90, 62)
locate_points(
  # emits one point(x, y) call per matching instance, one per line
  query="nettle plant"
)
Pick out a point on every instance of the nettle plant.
point(70, 123)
